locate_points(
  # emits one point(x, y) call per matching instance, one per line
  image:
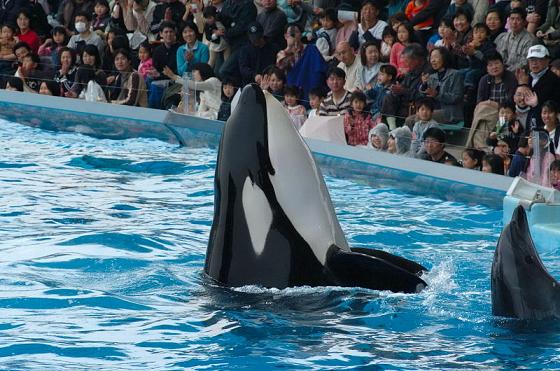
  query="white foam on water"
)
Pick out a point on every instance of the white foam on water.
point(292, 291)
point(440, 281)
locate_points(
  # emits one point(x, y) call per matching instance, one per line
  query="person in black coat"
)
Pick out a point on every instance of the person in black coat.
point(543, 81)
point(166, 53)
point(256, 56)
point(9, 10)
point(236, 16)
point(274, 22)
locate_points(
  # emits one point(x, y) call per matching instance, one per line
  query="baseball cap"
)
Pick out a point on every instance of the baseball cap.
point(537, 51)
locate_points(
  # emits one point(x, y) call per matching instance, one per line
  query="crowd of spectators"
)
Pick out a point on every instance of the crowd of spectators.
point(399, 71)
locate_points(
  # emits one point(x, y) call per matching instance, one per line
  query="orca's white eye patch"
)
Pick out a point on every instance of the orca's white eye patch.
point(258, 214)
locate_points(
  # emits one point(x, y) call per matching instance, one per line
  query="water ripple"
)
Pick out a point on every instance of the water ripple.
point(102, 254)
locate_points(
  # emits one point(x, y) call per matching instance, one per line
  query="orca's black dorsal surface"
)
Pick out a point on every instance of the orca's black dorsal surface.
point(274, 224)
point(521, 286)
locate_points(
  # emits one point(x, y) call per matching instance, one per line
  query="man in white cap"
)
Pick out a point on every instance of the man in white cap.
point(544, 83)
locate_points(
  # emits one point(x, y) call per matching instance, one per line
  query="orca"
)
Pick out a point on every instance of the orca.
point(521, 286)
point(274, 223)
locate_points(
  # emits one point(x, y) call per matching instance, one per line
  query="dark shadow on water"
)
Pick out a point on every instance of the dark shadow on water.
point(112, 164)
point(6, 165)
point(121, 241)
point(305, 312)
point(298, 299)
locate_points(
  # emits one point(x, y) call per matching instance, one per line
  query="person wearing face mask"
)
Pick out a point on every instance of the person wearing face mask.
point(138, 15)
point(85, 36)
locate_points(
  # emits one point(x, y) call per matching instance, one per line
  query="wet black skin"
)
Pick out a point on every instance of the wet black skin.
point(521, 286)
point(287, 259)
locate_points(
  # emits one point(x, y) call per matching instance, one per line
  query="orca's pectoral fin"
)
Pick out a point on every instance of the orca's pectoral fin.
point(359, 270)
point(407, 265)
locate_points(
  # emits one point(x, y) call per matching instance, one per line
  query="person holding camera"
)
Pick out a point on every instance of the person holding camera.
point(287, 58)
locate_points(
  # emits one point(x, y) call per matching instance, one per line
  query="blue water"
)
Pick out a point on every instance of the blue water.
point(102, 245)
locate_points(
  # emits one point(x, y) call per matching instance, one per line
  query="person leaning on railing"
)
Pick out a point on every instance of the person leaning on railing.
point(207, 84)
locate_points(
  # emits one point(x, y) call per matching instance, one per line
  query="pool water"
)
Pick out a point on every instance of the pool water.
point(102, 246)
